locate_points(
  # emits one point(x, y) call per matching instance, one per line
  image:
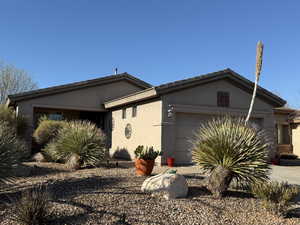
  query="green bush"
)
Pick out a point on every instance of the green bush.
point(276, 197)
point(33, 208)
point(47, 130)
point(79, 141)
point(228, 149)
point(16, 123)
point(12, 150)
point(147, 153)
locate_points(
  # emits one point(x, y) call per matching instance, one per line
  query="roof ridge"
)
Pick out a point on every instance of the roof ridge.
point(78, 84)
point(192, 78)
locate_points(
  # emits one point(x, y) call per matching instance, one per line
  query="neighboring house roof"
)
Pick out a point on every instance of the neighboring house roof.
point(77, 85)
point(284, 110)
point(229, 74)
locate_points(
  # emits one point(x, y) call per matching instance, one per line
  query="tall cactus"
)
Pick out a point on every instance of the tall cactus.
point(259, 55)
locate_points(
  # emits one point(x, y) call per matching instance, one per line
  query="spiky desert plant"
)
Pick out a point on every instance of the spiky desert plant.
point(259, 55)
point(227, 149)
point(12, 150)
point(49, 152)
point(80, 143)
point(33, 207)
point(18, 123)
point(47, 130)
point(276, 197)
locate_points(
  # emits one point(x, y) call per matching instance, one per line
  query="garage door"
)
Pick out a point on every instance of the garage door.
point(186, 125)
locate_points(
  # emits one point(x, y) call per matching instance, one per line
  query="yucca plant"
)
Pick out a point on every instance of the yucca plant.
point(276, 197)
point(227, 149)
point(33, 207)
point(79, 143)
point(12, 150)
point(47, 130)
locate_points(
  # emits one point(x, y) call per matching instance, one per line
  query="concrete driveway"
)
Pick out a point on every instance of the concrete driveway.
point(291, 174)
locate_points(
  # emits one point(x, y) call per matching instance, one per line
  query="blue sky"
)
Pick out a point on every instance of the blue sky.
point(61, 41)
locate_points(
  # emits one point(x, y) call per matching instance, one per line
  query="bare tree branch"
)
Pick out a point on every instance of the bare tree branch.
point(13, 80)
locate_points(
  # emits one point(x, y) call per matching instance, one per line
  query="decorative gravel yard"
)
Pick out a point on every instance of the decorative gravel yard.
point(112, 196)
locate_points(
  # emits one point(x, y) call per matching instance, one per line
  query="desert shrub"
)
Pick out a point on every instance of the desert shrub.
point(276, 197)
point(16, 123)
point(47, 130)
point(12, 150)
point(228, 148)
point(146, 153)
point(49, 152)
point(79, 143)
point(33, 207)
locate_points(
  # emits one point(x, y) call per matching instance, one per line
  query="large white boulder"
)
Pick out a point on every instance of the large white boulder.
point(173, 184)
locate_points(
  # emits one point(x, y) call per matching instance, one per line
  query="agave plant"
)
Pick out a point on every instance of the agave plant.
point(79, 143)
point(146, 153)
point(228, 149)
point(12, 149)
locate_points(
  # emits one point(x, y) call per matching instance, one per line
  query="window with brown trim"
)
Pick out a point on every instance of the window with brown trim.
point(223, 99)
point(134, 111)
point(124, 113)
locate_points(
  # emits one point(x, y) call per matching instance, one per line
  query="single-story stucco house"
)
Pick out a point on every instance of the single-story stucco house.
point(132, 112)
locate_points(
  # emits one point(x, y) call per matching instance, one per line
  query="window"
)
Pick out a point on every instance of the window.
point(283, 134)
point(124, 113)
point(55, 116)
point(134, 111)
point(222, 99)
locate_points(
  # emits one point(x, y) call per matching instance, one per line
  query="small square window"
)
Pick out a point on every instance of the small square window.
point(124, 113)
point(223, 99)
point(134, 111)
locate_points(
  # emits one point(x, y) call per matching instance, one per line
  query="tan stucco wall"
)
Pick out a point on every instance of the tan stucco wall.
point(89, 99)
point(146, 129)
point(296, 139)
point(206, 95)
point(203, 100)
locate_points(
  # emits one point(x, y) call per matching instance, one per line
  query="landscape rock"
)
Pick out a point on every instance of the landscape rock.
point(174, 185)
point(39, 157)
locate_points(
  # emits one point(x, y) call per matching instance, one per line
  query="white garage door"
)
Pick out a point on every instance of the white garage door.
point(186, 125)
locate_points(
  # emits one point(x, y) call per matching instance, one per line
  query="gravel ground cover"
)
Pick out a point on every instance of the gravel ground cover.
point(112, 196)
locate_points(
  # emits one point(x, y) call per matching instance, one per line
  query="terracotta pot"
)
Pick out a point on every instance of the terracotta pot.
point(170, 161)
point(144, 167)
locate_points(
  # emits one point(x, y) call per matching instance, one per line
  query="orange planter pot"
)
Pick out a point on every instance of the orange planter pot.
point(170, 161)
point(144, 167)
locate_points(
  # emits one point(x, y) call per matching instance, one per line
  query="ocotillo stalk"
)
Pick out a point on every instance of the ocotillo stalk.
point(259, 55)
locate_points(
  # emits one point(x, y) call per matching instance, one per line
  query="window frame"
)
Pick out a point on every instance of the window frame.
point(223, 99)
point(124, 113)
point(134, 111)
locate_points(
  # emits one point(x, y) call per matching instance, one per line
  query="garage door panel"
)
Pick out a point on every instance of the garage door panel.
point(186, 127)
point(183, 144)
point(187, 131)
point(183, 157)
point(187, 124)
